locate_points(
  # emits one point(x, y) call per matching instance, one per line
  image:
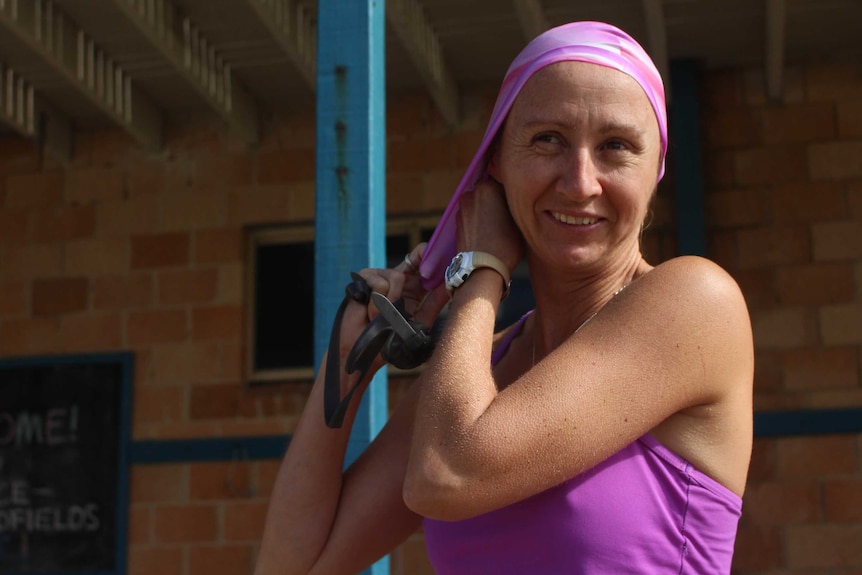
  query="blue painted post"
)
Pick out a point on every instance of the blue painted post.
point(351, 177)
point(685, 140)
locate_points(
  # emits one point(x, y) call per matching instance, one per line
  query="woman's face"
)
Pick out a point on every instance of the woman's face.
point(579, 157)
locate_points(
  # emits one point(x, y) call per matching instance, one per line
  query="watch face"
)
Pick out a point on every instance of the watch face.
point(454, 266)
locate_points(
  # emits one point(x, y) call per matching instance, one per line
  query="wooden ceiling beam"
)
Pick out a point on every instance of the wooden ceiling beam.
point(74, 56)
point(290, 25)
point(198, 62)
point(22, 111)
point(532, 18)
point(408, 22)
point(776, 24)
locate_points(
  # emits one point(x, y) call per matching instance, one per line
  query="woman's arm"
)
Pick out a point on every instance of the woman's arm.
point(323, 520)
point(677, 338)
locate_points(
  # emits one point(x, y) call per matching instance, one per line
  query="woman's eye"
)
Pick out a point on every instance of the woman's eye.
point(548, 139)
point(615, 145)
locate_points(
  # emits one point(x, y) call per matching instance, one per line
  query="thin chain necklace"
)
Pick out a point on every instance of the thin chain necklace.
point(585, 322)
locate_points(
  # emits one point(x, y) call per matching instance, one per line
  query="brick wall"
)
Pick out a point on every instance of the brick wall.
point(118, 249)
point(783, 193)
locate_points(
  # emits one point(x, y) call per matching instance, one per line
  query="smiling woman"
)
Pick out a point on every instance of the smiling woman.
point(607, 431)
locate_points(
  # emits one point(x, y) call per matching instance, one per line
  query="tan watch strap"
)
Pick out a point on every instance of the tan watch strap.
point(486, 260)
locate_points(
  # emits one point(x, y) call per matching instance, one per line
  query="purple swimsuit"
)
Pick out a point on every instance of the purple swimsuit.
point(644, 510)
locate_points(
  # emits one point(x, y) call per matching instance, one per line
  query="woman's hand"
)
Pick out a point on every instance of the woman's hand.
point(402, 281)
point(486, 225)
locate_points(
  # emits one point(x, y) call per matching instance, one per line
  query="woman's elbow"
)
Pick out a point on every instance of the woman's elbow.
point(436, 495)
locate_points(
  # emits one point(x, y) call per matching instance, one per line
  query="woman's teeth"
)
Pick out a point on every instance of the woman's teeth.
point(573, 220)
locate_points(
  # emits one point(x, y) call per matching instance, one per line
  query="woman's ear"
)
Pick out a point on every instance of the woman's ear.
point(493, 168)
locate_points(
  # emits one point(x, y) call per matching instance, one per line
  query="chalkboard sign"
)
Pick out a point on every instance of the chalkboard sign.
point(64, 433)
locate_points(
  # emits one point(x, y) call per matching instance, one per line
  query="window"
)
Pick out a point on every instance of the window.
point(280, 302)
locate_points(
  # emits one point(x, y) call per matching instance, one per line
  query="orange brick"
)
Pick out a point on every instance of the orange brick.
point(221, 559)
point(289, 131)
point(128, 216)
point(722, 248)
point(28, 336)
point(154, 483)
point(792, 202)
point(770, 165)
point(159, 404)
point(835, 160)
point(93, 185)
point(841, 324)
point(718, 169)
point(123, 292)
point(146, 560)
point(160, 250)
point(221, 322)
point(465, 145)
point(813, 546)
point(837, 241)
point(214, 401)
point(849, 118)
point(254, 428)
point(767, 371)
point(843, 500)
point(408, 116)
point(783, 328)
point(63, 223)
point(833, 82)
point(782, 503)
point(187, 286)
point(758, 548)
point(60, 295)
point(91, 332)
point(421, 155)
point(854, 193)
point(185, 430)
point(799, 123)
point(721, 89)
point(186, 523)
point(187, 363)
point(192, 211)
point(232, 280)
point(19, 155)
point(258, 205)
point(14, 299)
point(140, 524)
point(220, 480)
point(403, 192)
point(764, 460)
point(110, 147)
point(438, 186)
point(15, 226)
point(218, 246)
point(153, 327)
point(818, 456)
point(286, 166)
point(758, 286)
point(233, 360)
point(815, 284)
point(766, 247)
point(302, 206)
point(149, 177)
point(735, 208)
point(39, 189)
point(792, 88)
point(97, 256)
point(243, 521)
point(33, 261)
point(733, 128)
point(217, 173)
point(822, 368)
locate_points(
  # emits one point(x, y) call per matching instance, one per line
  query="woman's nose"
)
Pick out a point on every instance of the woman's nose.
point(579, 177)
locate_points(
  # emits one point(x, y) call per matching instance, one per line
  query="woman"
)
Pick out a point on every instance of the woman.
point(609, 431)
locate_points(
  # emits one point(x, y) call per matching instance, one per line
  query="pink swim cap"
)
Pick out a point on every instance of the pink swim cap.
point(593, 42)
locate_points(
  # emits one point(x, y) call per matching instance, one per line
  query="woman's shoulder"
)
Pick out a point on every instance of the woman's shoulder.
point(696, 279)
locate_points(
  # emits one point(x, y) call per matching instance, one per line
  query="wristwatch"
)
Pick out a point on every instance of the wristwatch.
point(465, 263)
